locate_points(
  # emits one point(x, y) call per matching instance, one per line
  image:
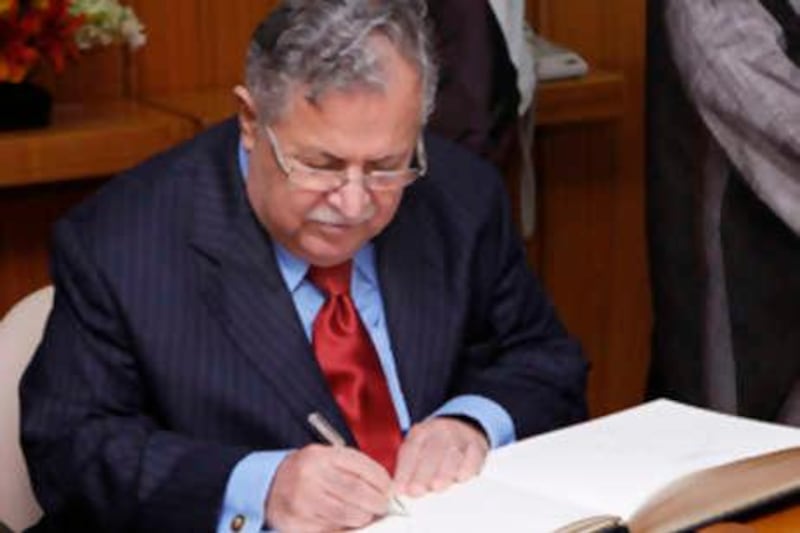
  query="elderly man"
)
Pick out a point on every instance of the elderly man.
point(320, 256)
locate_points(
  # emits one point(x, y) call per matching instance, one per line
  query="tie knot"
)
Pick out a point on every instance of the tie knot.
point(334, 280)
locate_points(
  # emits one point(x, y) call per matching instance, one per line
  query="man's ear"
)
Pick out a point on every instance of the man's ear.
point(248, 118)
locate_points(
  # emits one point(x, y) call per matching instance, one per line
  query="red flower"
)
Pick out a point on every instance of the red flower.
point(9, 8)
point(56, 40)
point(33, 30)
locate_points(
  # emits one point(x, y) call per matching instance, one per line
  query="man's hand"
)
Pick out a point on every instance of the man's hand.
point(437, 453)
point(324, 488)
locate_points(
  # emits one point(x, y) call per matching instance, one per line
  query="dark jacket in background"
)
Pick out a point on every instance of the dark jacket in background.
point(477, 100)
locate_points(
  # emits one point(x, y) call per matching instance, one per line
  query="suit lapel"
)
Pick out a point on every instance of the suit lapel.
point(243, 288)
point(414, 287)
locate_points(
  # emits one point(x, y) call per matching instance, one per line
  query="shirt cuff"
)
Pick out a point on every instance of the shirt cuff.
point(247, 491)
point(494, 419)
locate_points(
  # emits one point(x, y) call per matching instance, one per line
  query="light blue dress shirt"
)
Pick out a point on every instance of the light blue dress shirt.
point(250, 481)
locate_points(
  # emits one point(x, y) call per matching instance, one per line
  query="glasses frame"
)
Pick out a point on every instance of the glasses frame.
point(338, 178)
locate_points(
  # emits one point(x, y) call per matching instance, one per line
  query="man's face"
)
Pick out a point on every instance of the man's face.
point(353, 131)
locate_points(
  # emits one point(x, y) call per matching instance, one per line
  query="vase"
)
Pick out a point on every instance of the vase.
point(24, 105)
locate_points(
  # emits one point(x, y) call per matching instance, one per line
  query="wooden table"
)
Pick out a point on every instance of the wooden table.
point(784, 520)
point(203, 108)
point(88, 139)
point(598, 96)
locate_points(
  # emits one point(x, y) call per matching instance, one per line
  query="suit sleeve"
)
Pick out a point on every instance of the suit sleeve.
point(97, 454)
point(522, 358)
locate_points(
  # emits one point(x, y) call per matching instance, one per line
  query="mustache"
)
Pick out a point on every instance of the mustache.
point(325, 214)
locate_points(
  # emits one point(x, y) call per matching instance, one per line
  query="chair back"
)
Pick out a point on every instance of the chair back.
point(20, 332)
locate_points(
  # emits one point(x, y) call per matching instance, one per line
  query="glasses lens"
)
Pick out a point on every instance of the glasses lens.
point(389, 181)
point(317, 180)
point(320, 180)
point(323, 181)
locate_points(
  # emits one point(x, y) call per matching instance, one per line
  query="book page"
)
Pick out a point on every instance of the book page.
point(607, 466)
point(481, 505)
point(615, 463)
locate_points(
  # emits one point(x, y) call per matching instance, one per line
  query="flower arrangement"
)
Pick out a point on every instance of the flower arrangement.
point(54, 31)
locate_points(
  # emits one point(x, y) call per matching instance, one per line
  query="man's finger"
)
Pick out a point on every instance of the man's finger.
point(363, 466)
point(425, 468)
point(407, 459)
point(336, 511)
point(450, 467)
point(346, 482)
point(472, 461)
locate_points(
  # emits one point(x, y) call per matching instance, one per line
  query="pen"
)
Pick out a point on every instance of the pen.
point(329, 434)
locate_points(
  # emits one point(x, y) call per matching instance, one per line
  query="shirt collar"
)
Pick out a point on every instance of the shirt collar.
point(294, 270)
point(244, 160)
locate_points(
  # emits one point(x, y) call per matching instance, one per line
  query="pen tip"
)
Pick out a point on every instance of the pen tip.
point(396, 507)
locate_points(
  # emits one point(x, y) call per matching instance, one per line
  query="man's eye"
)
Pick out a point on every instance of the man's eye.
point(387, 175)
point(389, 166)
point(322, 165)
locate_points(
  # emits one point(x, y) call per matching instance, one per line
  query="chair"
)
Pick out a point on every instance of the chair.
point(20, 332)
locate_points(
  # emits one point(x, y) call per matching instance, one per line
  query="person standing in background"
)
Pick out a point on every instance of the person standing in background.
point(723, 207)
point(477, 96)
point(486, 88)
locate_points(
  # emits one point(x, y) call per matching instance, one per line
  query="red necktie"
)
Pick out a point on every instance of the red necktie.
point(351, 367)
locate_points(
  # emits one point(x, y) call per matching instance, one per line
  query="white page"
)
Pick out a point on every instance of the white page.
point(481, 505)
point(609, 465)
point(615, 463)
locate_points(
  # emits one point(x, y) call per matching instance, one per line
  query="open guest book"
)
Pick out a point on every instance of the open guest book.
point(659, 467)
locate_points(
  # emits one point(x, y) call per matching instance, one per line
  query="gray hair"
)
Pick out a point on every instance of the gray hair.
point(325, 45)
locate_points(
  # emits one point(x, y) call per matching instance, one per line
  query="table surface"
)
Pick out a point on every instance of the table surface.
point(784, 521)
point(88, 139)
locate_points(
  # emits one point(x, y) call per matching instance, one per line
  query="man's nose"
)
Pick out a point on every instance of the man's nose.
point(352, 198)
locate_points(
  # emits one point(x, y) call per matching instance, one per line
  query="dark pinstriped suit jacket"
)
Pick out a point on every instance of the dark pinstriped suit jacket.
point(174, 348)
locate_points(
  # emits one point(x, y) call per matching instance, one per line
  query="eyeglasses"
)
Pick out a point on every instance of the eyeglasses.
point(326, 180)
